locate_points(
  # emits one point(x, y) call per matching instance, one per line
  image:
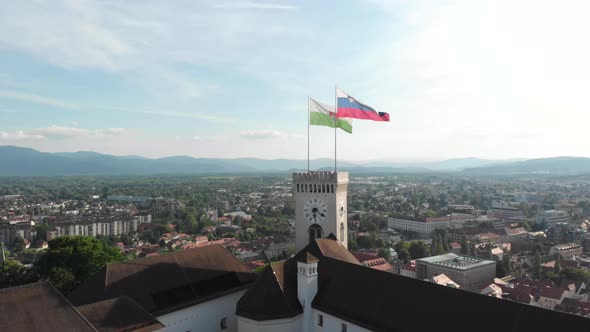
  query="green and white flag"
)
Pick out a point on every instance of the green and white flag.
point(321, 114)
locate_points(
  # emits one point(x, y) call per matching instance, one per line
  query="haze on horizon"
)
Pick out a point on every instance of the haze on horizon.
point(229, 79)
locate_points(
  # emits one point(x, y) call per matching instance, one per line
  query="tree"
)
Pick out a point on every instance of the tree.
point(403, 252)
point(404, 255)
point(19, 244)
point(62, 278)
point(81, 256)
point(12, 273)
point(506, 265)
point(419, 249)
point(384, 253)
point(464, 246)
point(41, 230)
point(576, 274)
point(537, 266)
point(557, 267)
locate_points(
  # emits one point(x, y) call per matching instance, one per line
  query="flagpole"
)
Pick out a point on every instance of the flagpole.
point(308, 123)
point(335, 114)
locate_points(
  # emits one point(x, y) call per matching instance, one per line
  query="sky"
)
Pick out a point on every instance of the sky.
point(492, 79)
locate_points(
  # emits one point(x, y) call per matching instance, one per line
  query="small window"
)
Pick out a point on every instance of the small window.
point(223, 323)
point(320, 320)
point(344, 327)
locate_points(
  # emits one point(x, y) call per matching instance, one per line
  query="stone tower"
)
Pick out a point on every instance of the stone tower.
point(320, 206)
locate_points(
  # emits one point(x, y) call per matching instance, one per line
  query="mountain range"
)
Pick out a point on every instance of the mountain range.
point(19, 161)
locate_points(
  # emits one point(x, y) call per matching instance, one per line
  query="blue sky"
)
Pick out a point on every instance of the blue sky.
point(493, 79)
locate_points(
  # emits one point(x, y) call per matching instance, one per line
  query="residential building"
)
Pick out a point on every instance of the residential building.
point(550, 297)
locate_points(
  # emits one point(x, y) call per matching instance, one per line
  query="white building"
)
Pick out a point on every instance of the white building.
point(423, 226)
point(191, 290)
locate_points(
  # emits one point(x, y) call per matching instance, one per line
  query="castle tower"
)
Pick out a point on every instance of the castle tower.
point(320, 206)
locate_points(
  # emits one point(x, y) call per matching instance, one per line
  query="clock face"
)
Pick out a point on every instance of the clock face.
point(315, 210)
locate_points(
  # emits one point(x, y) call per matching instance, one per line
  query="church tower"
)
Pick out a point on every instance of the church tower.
point(320, 207)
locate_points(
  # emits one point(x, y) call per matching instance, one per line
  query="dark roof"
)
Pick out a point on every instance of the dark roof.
point(422, 306)
point(274, 296)
point(119, 314)
point(326, 247)
point(554, 293)
point(38, 307)
point(169, 282)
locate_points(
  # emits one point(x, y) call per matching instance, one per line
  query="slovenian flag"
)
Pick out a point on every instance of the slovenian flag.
point(349, 107)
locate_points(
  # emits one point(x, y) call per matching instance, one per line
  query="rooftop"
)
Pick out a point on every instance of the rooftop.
point(456, 261)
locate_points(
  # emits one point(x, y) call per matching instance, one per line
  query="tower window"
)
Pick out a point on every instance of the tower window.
point(320, 320)
point(315, 232)
point(223, 323)
point(344, 327)
point(341, 232)
point(297, 187)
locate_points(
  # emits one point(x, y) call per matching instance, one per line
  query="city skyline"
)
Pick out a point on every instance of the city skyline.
point(494, 80)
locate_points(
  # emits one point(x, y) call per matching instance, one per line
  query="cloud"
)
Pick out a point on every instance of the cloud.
point(35, 99)
point(97, 45)
point(254, 5)
point(19, 136)
point(172, 114)
point(262, 134)
point(59, 133)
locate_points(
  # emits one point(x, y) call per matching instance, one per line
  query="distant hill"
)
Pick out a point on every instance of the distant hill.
point(18, 161)
point(557, 165)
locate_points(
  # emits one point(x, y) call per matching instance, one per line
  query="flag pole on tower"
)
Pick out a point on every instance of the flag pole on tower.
point(335, 114)
point(308, 124)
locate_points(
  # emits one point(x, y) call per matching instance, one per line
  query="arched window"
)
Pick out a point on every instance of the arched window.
point(341, 232)
point(315, 232)
point(298, 187)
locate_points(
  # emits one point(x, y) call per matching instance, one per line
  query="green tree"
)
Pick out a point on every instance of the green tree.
point(537, 266)
point(12, 273)
point(464, 246)
point(506, 265)
point(577, 274)
point(403, 252)
point(404, 255)
point(19, 244)
point(82, 256)
point(557, 267)
point(62, 278)
point(41, 230)
point(419, 249)
point(384, 253)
